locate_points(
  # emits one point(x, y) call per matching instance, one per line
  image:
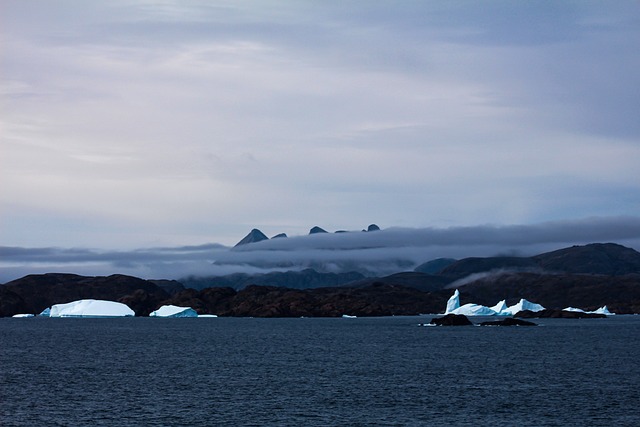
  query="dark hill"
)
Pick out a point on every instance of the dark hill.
point(412, 279)
point(39, 291)
point(307, 278)
point(468, 266)
point(596, 258)
point(273, 301)
point(434, 266)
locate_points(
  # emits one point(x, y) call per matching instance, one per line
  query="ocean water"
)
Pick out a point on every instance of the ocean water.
point(317, 372)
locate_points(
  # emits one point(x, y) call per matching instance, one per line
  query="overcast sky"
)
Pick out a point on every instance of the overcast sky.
point(129, 124)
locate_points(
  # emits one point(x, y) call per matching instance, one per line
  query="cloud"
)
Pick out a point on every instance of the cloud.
point(374, 253)
point(138, 123)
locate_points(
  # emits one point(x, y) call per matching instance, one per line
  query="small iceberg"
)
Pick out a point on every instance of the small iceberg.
point(346, 316)
point(22, 315)
point(91, 308)
point(174, 311)
point(46, 312)
point(207, 315)
point(602, 310)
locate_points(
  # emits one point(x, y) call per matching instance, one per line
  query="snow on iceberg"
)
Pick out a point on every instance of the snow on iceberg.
point(91, 308)
point(453, 303)
point(522, 305)
point(174, 311)
point(474, 310)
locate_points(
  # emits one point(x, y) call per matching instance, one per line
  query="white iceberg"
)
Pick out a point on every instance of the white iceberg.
point(347, 316)
point(91, 308)
point(602, 310)
point(522, 305)
point(207, 315)
point(453, 303)
point(474, 310)
point(174, 311)
point(500, 308)
point(23, 315)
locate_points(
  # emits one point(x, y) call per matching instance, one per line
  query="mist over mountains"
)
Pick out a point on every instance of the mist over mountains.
point(378, 253)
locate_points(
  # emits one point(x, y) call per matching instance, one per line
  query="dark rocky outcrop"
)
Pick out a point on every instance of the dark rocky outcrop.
point(169, 286)
point(254, 236)
point(509, 321)
point(451, 320)
point(558, 314)
point(413, 279)
point(279, 236)
point(305, 279)
point(273, 301)
point(373, 227)
point(11, 303)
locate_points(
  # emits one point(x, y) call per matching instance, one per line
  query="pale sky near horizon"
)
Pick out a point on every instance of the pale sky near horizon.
point(128, 124)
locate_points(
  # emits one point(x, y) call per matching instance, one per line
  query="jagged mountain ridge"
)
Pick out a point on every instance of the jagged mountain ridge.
point(255, 235)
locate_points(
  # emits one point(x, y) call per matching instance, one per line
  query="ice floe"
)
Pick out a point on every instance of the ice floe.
point(174, 311)
point(23, 315)
point(91, 308)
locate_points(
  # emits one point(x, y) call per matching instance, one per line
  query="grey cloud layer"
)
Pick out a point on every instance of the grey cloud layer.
point(380, 252)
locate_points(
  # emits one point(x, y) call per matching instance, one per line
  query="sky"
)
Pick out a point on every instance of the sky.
point(185, 124)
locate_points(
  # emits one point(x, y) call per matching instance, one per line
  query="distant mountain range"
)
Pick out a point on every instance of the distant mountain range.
point(580, 276)
point(256, 235)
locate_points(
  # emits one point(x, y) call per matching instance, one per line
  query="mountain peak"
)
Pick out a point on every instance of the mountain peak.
point(316, 230)
point(254, 236)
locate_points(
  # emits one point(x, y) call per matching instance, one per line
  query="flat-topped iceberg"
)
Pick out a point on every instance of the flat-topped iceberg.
point(174, 311)
point(23, 315)
point(91, 308)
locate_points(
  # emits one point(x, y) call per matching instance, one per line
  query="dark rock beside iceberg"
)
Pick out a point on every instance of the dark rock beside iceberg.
point(451, 320)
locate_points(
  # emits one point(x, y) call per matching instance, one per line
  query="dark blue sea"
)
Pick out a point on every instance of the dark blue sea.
point(318, 372)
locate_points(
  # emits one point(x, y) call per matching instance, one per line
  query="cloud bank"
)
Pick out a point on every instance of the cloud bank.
point(375, 253)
